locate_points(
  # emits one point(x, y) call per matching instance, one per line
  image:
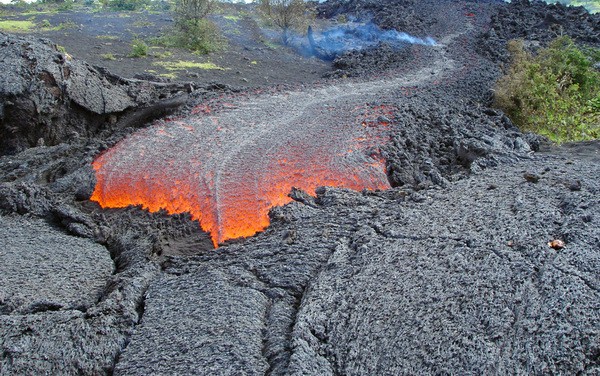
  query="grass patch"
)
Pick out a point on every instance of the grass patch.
point(183, 65)
point(65, 25)
point(593, 6)
point(159, 54)
point(270, 44)
point(142, 23)
point(171, 75)
point(17, 26)
point(108, 56)
point(555, 93)
point(107, 37)
point(38, 8)
point(232, 18)
point(45, 24)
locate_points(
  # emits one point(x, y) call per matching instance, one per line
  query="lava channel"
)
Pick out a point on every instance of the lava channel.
point(228, 170)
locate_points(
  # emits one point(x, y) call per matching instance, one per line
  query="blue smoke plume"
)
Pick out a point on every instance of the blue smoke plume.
point(354, 36)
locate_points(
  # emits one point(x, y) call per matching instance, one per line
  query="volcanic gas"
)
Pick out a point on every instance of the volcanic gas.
point(229, 168)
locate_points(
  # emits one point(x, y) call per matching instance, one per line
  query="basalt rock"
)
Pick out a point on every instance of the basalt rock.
point(47, 98)
point(537, 23)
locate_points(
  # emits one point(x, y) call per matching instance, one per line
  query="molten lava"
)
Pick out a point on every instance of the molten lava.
point(228, 169)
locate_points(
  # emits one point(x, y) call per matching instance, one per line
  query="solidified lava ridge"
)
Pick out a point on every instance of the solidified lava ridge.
point(229, 169)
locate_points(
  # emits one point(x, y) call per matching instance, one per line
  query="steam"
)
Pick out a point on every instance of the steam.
point(357, 36)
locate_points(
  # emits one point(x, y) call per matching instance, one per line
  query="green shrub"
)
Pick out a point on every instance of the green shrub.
point(66, 5)
point(288, 15)
point(139, 48)
point(555, 93)
point(200, 36)
point(124, 4)
point(61, 49)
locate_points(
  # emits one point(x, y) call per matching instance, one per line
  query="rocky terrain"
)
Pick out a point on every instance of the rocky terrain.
point(450, 271)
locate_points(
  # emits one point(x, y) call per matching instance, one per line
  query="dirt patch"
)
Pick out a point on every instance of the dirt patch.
point(253, 56)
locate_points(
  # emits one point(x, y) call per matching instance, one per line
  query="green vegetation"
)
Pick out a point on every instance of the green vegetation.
point(555, 93)
point(141, 23)
point(203, 37)
point(592, 5)
point(192, 30)
point(108, 56)
point(287, 15)
point(232, 18)
point(107, 37)
point(160, 54)
point(171, 75)
point(17, 26)
point(46, 25)
point(183, 65)
point(270, 44)
point(124, 4)
point(139, 48)
point(65, 5)
point(25, 26)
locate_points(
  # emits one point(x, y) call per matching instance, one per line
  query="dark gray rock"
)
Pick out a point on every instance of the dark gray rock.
point(463, 283)
point(48, 98)
point(219, 329)
point(65, 342)
point(537, 22)
point(42, 266)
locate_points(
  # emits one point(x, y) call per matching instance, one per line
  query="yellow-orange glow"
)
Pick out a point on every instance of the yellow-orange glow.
point(228, 174)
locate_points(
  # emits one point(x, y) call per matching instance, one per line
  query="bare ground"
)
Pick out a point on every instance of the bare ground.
point(252, 56)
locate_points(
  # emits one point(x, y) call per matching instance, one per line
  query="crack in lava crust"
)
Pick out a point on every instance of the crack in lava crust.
point(230, 168)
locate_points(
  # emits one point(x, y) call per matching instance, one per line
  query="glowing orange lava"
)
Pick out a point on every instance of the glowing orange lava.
point(228, 169)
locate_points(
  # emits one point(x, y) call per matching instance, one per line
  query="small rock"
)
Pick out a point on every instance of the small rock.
point(574, 185)
point(556, 244)
point(532, 178)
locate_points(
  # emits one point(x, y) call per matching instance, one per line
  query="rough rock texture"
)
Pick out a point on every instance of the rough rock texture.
point(463, 282)
point(47, 98)
point(538, 23)
point(221, 325)
point(396, 14)
point(42, 269)
point(449, 272)
point(450, 280)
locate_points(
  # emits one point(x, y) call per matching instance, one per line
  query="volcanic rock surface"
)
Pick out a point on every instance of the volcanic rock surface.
point(538, 23)
point(47, 269)
point(448, 271)
point(47, 98)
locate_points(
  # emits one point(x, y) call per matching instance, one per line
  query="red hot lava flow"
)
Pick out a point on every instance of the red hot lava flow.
point(228, 169)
